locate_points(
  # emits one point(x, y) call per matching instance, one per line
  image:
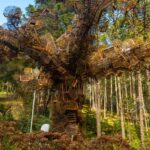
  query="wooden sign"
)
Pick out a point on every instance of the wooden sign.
point(26, 78)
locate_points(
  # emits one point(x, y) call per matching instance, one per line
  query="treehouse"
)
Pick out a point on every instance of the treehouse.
point(72, 57)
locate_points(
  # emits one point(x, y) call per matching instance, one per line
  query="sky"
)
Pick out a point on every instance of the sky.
point(20, 3)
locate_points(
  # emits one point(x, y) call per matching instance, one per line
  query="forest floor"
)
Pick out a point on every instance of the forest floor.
point(12, 139)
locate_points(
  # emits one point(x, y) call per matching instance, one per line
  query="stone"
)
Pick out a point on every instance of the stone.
point(45, 127)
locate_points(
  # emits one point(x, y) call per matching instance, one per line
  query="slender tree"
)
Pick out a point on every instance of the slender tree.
point(98, 108)
point(111, 94)
point(121, 108)
point(126, 93)
point(116, 93)
point(105, 98)
point(140, 97)
point(148, 80)
point(90, 91)
point(134, 97)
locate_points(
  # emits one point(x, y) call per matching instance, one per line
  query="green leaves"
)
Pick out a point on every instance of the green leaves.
point(59, 7)
point(30, 9)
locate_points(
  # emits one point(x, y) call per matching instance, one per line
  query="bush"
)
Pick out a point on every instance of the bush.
point(5, 114)
point(24, 123)
point(133, 135)
point(6, 145)
point(38, 121)
point(89, 125)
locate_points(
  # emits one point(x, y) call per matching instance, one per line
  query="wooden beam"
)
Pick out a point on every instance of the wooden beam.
point(112, 60)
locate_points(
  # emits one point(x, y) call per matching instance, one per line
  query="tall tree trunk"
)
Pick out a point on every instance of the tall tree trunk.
point(145, 117)
point(105, 99)
point(116, 93)
point(98, 109)
point(91, 92)
point(125, 91)
point(134, 98)
point(131, 90)
point(33, 107)
point(94, 95)
point(111, 91)
point(126, 94)
point(148, 81)
point(121, 109)
point(144, 113)
point(140, 92)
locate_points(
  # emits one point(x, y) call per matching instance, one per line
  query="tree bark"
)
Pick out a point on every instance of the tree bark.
point(117, 99)
point(126, 94)
point(105, 99)
point(134, 98)
point(98, 109)
point(148, 81)
point(90, 92)
point(111, 94)
point(140, 92)
point(121, 109)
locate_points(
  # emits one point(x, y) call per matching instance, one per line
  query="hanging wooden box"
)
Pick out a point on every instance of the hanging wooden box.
point(28, 71)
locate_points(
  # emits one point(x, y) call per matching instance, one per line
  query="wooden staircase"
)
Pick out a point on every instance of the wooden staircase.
point(72, 117)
